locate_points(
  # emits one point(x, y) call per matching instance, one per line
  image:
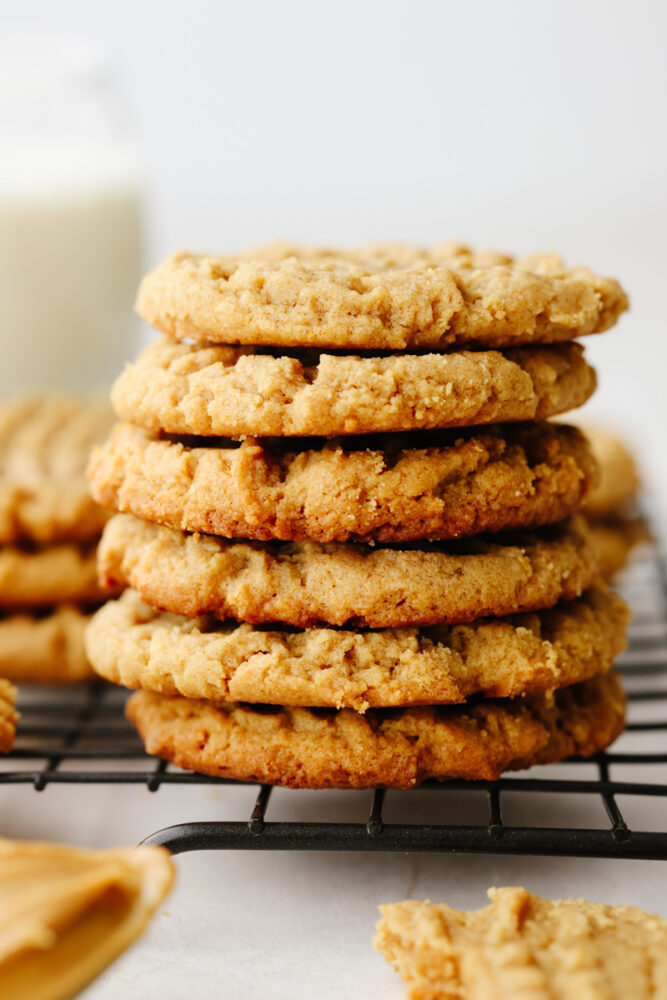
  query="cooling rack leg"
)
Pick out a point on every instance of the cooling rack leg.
point(190, 837)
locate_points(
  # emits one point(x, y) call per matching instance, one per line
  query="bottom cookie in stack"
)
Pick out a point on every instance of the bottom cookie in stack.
point(399, 748)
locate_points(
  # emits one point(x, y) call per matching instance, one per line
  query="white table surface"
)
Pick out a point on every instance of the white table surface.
point(297, 925)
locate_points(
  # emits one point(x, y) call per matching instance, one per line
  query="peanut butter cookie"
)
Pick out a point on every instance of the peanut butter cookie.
point(614, 538)
point(45, 649)
point(435, 484)
point(522, 947)
point(397, 748)
point(35, 577)
point(619, 480)
point(44, 446)
point(307, 583)
point(376, 298)
point(233, 392)
point(130, 643)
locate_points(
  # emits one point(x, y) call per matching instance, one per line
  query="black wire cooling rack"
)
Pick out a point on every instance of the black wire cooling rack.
point(86, 729)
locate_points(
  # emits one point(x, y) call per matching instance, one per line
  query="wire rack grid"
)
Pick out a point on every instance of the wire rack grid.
point(85, 729)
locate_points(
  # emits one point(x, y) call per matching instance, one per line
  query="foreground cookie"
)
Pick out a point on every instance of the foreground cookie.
point(306, 583)
point(390, 297)
point(184, 389)
point(392, 488)
point(66, 914)
point(44, 446)
point(35, 577)
point(130, 643)
point(45, 649)
point(8, 715)
point(522, 947)
point(398, 748)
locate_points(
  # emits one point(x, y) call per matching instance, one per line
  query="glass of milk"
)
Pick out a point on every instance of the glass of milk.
point(70, 226)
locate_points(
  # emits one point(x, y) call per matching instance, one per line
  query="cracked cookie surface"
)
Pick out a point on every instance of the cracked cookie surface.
point(307, 583)
point(392, 488)
point(385, 297)
point(234, 392)
point(396, 748)
point(130, 643)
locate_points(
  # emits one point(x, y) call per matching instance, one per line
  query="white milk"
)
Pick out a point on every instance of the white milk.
point(69, 222)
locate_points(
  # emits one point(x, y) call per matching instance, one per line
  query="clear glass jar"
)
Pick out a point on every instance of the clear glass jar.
point(70, 221)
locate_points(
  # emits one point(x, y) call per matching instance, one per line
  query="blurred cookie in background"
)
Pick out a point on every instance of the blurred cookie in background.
point(616, 525)
point(615, 537)
point(619, 480)
point(8, 716)
point(49, 529)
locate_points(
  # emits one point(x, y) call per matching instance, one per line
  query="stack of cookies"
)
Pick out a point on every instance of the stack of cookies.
point(349, 532)
point(49, 529)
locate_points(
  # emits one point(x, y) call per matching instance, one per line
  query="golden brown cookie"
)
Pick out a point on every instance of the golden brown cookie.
point(307, 583)
point(619, 477)
point(522, 947)
point(614, 538)
point(398, 748)
point(45, 649)
point(376, 298)
point(65, 914)
point(233, 392)
point(8, 715)
point(35, 577)
point(44, 446)
point(435, 484)
point(130, 643)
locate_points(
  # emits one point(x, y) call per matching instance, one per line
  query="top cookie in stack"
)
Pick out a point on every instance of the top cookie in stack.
point(386, 297)
point(424, 423)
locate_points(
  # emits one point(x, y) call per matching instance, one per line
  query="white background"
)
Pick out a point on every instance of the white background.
point(517, 125)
